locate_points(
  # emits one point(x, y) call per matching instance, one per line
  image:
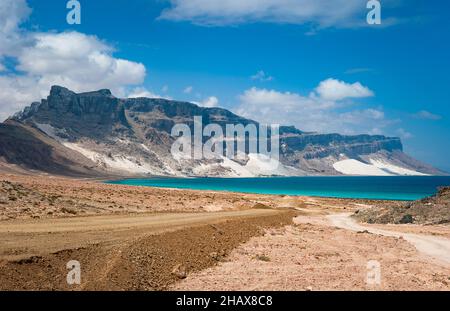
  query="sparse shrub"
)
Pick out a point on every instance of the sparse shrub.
point(407, 219)
point(261, 206)
point(263, 258)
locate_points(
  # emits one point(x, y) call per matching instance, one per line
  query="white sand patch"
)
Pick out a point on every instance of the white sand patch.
point(355, 167)
point(238, 169)
point(264, 165)
point(145, 148)
point(395, 169)
point(121, 163)
point(203, 169)
point(115, 162)
point(234, 169)
point(376, 168)
point(257, 165)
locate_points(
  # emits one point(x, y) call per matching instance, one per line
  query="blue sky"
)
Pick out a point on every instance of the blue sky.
point(318, 67)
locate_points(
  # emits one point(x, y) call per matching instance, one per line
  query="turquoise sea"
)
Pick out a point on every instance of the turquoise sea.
point(381, 188)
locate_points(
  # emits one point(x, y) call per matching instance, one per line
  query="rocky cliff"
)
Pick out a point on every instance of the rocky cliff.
point(98, 132)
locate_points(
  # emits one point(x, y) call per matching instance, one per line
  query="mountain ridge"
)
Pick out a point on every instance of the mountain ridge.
point(104, 134)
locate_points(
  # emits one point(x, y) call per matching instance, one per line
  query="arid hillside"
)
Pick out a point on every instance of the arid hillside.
point(434, 210)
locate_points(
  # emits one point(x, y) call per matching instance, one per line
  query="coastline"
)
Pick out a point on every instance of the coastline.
point(392, 188)
point(200, 222)
point(93, 196)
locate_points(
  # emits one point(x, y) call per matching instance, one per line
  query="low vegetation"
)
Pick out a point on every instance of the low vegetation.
point(433, 210)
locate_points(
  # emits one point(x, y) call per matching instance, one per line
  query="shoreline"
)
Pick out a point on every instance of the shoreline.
point(230, 185)
point(210, 238)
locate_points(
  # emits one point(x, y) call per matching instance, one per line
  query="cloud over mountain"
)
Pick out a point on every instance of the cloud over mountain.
point(80, 61)
point(332, 89)
point(324, 109)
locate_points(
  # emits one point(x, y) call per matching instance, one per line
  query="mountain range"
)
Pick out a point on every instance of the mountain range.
point(97, 134)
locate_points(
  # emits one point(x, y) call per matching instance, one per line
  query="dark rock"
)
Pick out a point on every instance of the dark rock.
point(407, 219)
point(180, 271)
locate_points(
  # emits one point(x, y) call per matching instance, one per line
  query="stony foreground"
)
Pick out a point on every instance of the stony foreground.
point(434, 210)
point(133, 238)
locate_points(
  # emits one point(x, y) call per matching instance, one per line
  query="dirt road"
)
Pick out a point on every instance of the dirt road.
point(26, 238)
point(435, 247)
point(124, 252)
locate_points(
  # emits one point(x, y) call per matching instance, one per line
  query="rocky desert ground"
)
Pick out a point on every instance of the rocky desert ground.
point(136, 238)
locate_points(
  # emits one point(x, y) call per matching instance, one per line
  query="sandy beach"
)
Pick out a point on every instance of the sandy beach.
point(137, 238)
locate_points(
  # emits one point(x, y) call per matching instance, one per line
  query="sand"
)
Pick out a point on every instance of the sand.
point(136, 238)
point(314, 255)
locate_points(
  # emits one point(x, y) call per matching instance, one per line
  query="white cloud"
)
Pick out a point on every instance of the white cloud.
point(403, 134)
point(321, 13)
point(188, 90)
point(332, 89)
point(78, 61)
point(12, 14)
point(16, 93)
point(210, 102)
point(262, 76)
point(139, 92)
point(426, 115)
point(142, 92)
point(309, 113)
point(72, 59)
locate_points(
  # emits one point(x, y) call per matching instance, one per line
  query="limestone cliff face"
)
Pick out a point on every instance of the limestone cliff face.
point(93, 114)
point(324, 145)
point(132, 136)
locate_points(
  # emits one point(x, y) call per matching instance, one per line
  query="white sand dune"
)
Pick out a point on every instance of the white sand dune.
point(355, 167)
point(394, 169)
point(376, 168)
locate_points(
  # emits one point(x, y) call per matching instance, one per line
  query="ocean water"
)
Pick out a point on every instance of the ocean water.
point(406, 188)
